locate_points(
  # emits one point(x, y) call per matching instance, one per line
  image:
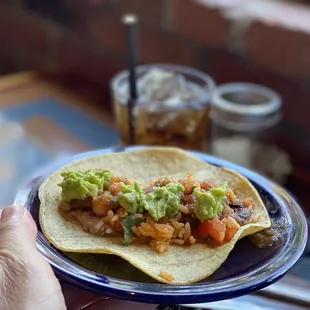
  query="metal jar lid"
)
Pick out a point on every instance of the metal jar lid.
point(245, 106)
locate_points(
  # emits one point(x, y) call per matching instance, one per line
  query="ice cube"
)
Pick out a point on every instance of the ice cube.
point(166, 87)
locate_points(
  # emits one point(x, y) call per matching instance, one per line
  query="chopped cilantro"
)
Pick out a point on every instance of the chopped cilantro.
point(128, 223)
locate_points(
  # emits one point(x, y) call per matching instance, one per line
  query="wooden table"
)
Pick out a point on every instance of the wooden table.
point(21, 89)
point(55, 138)
point(43, 123)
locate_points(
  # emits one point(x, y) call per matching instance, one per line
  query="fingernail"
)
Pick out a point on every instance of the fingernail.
point(11, 211)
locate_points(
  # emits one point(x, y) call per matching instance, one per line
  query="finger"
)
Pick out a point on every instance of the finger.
point(14, 212)
point(17, 231)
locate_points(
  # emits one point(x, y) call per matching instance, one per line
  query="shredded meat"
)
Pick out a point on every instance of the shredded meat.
point(188, 182)
point(81, 203)
point(103, 203)
point(191, 219)
point(188, 200)
point(125, 180)
point(114, 188)
point(163, 181)
point(149, 188)
point(206, 185)
point(237, 204)
point(84, 204)
point(242, 215)
point(227, 211)
point(238, 212)
point(91, 224)
point(95, 225)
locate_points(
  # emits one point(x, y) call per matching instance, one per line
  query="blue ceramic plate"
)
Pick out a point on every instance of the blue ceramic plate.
point(246, 270)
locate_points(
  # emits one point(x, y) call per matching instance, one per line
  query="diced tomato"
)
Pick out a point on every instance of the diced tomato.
point(230, 232)
point(217, 231)
point(248, 202)
point(129, 181)
point(114, 188)
point(188, 182)
point(115, 179)
point(203, 229)
point(231, 228)
point(118, 227)
point(206, 185)
point(64, 206)
point(220, 230)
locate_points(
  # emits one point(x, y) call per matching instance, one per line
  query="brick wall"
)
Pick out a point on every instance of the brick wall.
point(260, 41)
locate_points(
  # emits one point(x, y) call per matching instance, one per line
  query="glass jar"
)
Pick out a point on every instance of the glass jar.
point(159, 121)
point(243, 118)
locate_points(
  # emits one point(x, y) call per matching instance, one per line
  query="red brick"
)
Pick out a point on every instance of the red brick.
point(27, 42)
point(299, 182)
point(279, 49)
point(11, 2)
point(18, 31)
point(23, 60)
point(299, 151)
point(86, 70)
point(154, 45)
point(109, 31)
point(149, 12)
point(7, 61)
point(201, 23)
point(83, 12)
point(81, 59)
point(159, 46)
point(299, 188)
point(297, 108)
point(229, 67)
point(226, 67)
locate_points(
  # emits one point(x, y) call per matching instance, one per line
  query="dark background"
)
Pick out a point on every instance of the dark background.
point(82, 43)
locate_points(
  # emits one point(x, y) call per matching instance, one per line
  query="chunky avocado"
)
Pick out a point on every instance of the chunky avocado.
point(83, 184)
point(209, 203)
point(164, 201)
point(131, 198)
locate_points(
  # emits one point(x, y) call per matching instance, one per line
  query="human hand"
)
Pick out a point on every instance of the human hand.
point(27, 282)
point(26, 279)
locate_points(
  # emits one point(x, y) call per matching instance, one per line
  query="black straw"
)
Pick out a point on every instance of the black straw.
point(130, 21)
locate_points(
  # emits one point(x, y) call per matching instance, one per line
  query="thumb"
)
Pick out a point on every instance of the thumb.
point(17, 232)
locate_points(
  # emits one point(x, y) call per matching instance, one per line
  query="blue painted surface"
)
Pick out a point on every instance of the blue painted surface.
point(26, 156)
point(92, 132)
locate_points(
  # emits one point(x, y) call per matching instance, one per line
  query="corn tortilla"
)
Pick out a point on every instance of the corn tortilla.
point(186, 264)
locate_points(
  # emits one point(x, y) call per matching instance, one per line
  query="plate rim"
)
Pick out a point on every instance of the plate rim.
point(170, 291)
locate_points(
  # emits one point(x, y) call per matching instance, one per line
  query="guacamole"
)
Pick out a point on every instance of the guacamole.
point(131, 198)
point(209, 203)
point(164, 201)
point(159, 202)
point(83, 184)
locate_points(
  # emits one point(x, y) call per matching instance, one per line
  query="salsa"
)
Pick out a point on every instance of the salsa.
point(270, 236)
